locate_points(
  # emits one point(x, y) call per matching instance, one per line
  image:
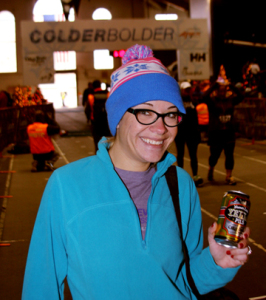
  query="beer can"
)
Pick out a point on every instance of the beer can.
point(232, 218)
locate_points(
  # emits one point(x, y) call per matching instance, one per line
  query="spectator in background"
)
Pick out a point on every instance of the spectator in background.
point(98, 115)
point(188, 133)
point(85, 100)
point(251, 77)
point(221, 99)
point(5, 99)
point(63, 97)
point(203, 120)
point(41, 145)
point(222, 75)
point(254, 67)
point(197, 90)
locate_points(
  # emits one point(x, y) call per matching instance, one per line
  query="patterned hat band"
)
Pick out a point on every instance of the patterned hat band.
point(136, 68)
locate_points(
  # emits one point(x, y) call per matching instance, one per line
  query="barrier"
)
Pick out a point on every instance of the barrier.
point(8, 126)
point(14, 122)
point(250, 118)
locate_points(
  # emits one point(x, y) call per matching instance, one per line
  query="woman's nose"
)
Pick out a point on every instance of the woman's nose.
point(158, 126)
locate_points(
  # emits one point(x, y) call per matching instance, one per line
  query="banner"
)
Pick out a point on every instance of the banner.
point(38, 68)
point(83, 36)
point(193, 64)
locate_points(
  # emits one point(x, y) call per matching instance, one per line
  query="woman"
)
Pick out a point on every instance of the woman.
point(118, 237)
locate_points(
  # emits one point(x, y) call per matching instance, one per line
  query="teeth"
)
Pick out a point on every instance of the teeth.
point(152, 142)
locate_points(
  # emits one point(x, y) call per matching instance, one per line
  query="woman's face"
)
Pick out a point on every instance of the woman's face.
point(137, 145)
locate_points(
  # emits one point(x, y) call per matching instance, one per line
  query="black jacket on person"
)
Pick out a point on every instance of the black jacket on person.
point(99, 113)
point(221, 114)
point(189, 126)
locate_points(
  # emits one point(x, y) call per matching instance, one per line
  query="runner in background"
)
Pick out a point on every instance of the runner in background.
point(188, 133)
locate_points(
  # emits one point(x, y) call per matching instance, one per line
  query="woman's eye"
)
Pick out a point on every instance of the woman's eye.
point(172, 115)
point(144, 112)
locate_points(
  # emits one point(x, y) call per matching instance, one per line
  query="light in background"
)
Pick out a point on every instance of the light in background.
point(103, 86)
point(119, 53)
point(63, 92)
point(102, 59)
point(101, 14)
point(47, 8)
point(8, 54)
point(166, 17)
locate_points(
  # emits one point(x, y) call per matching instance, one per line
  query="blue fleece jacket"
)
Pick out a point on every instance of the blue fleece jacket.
point(88, 230)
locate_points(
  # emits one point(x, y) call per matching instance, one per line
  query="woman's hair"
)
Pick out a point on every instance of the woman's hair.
point(110, 140)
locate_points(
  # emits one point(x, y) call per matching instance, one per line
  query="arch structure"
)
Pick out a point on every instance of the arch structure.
point(189, 37)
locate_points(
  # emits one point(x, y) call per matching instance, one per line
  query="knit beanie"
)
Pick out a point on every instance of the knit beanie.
point(141, 78)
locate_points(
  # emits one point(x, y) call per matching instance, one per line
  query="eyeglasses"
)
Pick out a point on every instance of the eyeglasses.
point(147, 117)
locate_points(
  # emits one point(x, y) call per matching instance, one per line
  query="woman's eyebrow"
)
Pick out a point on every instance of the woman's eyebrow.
point(147, 103)
point(172, 106)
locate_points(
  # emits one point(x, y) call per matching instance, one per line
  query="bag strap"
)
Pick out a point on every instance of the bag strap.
point(172, 181)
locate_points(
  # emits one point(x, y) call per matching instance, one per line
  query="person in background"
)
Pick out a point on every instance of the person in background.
point(221, 99)
point(41, 145)
point(90, 227)
point(98, 115)
point(85, 100)
point(5, 99)
point(198, 88)
point(63, 97)
point(203, 120)
point(254, 67)
point(188, 133)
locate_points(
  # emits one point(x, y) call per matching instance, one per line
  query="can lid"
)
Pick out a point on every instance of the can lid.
point(238, 193)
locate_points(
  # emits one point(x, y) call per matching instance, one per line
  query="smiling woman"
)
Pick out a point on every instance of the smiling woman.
point(120, 232)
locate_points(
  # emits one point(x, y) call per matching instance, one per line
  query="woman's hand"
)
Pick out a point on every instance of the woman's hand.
point(229, 257)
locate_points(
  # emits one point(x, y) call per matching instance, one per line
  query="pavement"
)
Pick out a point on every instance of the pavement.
point(21, 191)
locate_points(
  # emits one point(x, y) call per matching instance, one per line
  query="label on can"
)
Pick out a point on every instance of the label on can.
point(232, 218)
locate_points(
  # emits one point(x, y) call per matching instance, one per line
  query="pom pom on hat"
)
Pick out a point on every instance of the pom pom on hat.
point(141, 78)
point(137, 52)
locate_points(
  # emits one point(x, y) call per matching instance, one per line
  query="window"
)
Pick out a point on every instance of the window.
point(101, 58)
point(63, 92)
point(52, 11)
point(8, 53)
point(101, 14)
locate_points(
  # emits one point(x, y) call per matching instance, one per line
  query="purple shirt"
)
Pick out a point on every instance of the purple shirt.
point(139, 187)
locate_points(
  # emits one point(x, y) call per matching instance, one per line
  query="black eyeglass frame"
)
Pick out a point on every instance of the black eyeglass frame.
point(135, 111)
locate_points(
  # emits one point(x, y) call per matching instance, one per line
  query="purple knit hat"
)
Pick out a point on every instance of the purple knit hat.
point(141, 78)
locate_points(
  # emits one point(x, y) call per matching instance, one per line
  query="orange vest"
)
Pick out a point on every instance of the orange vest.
point(203, 114)
point(40, 141)
point(91, 101)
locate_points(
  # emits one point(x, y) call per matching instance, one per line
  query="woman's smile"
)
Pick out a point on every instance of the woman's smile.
point(152, 142)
